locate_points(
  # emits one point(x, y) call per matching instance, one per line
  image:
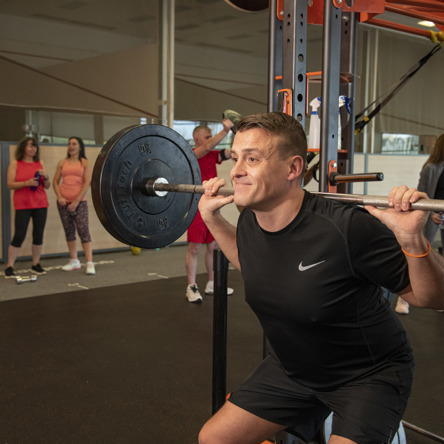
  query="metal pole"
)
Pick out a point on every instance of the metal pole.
point(166, 62)
point(349, 46)
point(170, 64)
point(330, 90)
point(220, 266)
point(6, 201)
point(274, 54)
point(423, 432)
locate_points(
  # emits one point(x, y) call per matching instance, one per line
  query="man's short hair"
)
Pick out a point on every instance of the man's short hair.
point(293, 139)
point(201, 127)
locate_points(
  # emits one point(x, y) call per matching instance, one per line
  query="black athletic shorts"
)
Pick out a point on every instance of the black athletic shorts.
point(367, 411)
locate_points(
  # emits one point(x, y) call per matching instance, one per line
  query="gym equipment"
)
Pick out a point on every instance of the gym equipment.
point(248, 5)
point(123, 166)
point(423, 432)
point(139, 174)
point(136, 251)
point(234, 116)
point(325, 433)
point(23, 279)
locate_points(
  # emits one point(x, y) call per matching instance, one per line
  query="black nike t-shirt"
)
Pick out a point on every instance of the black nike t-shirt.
point(316, 289)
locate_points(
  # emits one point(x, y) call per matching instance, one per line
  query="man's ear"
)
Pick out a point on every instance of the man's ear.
point(296, 168)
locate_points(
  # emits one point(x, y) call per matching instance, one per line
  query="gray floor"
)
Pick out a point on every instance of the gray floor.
point(122, 357)
point(115, 268)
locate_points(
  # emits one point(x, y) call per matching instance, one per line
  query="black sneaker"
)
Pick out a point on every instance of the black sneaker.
point(38, 269)
point(9, 273)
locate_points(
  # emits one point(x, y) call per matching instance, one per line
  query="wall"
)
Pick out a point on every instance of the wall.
point(122, 83)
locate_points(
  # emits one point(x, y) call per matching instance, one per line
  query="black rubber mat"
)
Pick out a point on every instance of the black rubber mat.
point(123, 364)
point(133, 364)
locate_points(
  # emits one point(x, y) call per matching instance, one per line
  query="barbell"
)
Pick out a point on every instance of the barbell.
point(146, 186)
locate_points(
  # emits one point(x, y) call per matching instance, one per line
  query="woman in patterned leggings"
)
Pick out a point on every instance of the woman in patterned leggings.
point(71, 182)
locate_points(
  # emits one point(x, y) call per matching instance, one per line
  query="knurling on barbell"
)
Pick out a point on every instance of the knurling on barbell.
point(146, 187)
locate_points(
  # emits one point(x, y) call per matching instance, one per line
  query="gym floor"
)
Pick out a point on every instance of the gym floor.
point(122, 357)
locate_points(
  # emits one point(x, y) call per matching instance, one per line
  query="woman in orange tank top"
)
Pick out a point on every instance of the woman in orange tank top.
point(71, 183)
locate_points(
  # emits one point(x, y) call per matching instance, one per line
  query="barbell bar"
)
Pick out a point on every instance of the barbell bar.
point(146, 186)
point(160, 187)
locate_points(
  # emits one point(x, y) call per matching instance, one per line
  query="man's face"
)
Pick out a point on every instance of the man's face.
point(259, 175)
point(201, 136)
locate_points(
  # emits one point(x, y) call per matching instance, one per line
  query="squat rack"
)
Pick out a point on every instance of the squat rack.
point(287, 76)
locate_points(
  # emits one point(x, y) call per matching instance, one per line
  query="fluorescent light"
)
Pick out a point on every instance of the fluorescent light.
point(426, 23)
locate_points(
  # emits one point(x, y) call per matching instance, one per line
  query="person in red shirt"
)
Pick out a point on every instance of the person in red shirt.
point(198, 232)
point(28, 178)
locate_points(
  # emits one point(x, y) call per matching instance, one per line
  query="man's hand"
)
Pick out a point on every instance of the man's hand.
point(210, 203)
point(426, 266)
point(406, 224)
point(227, 124)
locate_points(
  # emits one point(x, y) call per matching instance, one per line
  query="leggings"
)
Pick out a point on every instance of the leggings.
point(80, 220)
point(21, 222)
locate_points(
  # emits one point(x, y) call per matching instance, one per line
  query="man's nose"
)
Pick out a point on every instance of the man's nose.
point(238, 168)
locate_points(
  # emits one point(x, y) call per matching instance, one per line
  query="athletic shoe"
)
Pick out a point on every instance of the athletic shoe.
point(402, 307)
point(9, 273)
point(209, 289)
point(74, 264)
point(90, 268)
point(193, 294)
point(37, 269)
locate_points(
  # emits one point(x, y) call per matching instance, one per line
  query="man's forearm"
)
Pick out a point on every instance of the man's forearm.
point(427, 280)
point(225, 235)
point(210, 144)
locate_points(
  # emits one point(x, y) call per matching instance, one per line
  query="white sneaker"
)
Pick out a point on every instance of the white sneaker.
point(193, 294)
point(402, 307)
point(74, 264)
point(90, 268)
point(209, 288)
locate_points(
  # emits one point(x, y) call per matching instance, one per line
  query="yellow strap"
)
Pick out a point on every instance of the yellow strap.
point(436, 36)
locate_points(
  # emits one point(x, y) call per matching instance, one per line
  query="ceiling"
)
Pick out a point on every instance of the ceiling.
point(43, 33)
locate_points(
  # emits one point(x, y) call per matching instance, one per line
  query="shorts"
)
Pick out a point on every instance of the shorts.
point(367, 411)
point(198, 232)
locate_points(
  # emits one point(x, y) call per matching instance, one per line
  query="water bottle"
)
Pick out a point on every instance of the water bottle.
point(343, 117)
point(36, 175)
point(314, 138)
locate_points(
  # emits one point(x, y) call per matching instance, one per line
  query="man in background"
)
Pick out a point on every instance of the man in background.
point(198, 233)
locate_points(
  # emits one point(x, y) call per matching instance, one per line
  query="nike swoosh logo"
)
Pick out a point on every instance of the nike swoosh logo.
point(307, 267)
